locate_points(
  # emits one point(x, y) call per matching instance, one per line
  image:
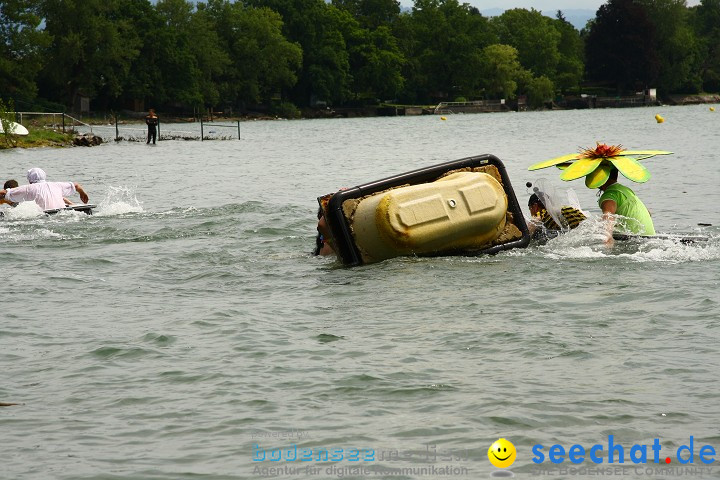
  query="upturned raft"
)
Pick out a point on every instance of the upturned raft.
point(463, 207)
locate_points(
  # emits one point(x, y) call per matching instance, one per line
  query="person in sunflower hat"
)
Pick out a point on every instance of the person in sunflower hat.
point(622, 210)
point(617, 199)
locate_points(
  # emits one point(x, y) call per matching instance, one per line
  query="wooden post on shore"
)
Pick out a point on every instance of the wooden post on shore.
point(201, 128)
point(238, 129)
point(63, 120)
point(117, 132)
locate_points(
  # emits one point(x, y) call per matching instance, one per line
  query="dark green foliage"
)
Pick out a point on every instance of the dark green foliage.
point(258, 60)
point(540, 91)
point(93, 48)
point(444, 41)
point(705, 21)
point(571, 62)
point(502, 71)
point(371, 14)
point(621, 46)
point(534, 37)
point(21, 44)
point(316, 27)
point(676, 46)
point(181, 54)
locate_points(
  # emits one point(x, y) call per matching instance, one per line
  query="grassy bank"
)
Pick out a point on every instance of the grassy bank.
point(38, 137)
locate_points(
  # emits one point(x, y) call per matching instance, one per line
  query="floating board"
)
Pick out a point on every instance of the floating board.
point(15, 128)
point(85, 208)
point(690, 239)
point(546, 235)
point(462, 207)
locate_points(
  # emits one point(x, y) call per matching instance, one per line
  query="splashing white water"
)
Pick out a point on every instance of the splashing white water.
point(673, 251)
point(23, 210)
point(587, 242)
point(118, 201)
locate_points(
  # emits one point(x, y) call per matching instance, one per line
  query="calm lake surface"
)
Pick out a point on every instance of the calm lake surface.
point(184, 330)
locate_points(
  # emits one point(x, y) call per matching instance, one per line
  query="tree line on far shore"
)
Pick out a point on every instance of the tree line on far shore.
point(290, 54)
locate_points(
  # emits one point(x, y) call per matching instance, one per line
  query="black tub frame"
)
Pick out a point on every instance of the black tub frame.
point(344, 243)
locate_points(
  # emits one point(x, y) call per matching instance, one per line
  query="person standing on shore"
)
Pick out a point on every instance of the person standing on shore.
point(152, 121)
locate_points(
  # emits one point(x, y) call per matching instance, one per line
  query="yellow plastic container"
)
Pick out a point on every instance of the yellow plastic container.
point(464, 210)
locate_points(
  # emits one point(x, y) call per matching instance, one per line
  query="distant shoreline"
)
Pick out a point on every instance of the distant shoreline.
point(42, 136)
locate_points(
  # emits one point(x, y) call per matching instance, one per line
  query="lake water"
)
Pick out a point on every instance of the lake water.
point(184, 330)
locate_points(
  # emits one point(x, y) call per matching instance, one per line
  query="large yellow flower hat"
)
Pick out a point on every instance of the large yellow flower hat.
point(595, 164)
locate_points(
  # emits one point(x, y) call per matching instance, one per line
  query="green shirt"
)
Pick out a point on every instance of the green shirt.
point(637, 218)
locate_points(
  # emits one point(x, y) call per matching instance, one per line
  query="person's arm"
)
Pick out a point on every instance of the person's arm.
point(67, 201)
point(532, 225)
point(83, 196)
point(609, 207)
point(18, 194)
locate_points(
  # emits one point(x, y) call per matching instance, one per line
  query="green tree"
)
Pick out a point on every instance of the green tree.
point(145, 79)
point(620, 47)
point(371, 14)
point(706, 23)
point(540, 90)
point(374, 57)
point(571, 63)
point(212, 60)
point(534, 37)
point(262, 61)
point(20, 48)
point(92, 49)
point(676, 46)
point(502, 71)
point(176, 60)
point(444, 40)
point(380, 71)
point(316, 27)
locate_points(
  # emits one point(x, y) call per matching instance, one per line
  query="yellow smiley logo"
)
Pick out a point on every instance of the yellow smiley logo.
point(501, 453)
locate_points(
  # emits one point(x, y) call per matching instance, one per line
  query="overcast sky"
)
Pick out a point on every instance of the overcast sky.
point(544, 5)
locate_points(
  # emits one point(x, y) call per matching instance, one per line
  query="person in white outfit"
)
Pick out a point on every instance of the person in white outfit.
point(48, 195)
